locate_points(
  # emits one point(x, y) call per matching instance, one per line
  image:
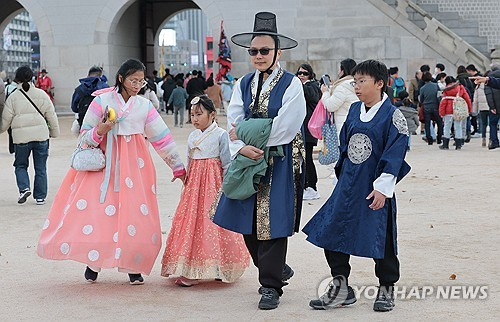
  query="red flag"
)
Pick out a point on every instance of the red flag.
point(224, 58)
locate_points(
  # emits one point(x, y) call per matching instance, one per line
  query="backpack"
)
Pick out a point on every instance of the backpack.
point(83, 105)
point(460, 108)
point(398, 85)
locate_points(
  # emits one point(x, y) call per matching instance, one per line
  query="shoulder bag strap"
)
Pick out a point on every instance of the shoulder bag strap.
point(29, 99)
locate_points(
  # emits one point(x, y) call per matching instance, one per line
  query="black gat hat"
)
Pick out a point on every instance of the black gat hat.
point(264, 25)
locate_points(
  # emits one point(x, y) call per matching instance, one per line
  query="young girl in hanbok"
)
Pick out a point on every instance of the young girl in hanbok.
point(109, 218)
point(196, 248)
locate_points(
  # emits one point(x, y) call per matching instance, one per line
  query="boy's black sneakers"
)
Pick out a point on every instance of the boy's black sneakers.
point(270, 299)
point(336, 296)
point(385, 299)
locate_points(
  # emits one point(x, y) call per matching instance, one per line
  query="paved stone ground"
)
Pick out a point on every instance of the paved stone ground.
point(448, 224)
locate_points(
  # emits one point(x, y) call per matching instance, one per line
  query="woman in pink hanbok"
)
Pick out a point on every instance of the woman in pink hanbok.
point(196, 248)
point(110, 218)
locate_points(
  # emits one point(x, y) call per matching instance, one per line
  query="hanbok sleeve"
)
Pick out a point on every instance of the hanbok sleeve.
point(392, 166)
point(224, 153)
point(94, 115)
point(290, 116)
point(162, 141)
point(235, 114)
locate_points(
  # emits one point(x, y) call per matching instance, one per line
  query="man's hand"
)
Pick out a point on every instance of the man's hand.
point(479, 79)
point(493, 111)
point(252, 152)
point(378, 200)
point(232, 133)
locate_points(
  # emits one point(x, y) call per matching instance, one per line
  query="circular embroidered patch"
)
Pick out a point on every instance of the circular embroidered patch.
point(360, 148)
point(399, 121)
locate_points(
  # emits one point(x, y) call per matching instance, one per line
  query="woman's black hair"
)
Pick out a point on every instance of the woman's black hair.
point(126, 69)
point(206, 102)
point(375, 69)
point(461, 69)
point(347, 66)
point(24, 76)
point(309, 70)
point(449, 80)
point(440, 75)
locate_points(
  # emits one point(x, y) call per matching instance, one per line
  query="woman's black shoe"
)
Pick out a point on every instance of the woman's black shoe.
point(90, 275)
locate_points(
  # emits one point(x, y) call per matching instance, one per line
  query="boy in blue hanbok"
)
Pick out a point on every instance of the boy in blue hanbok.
point(359, 218)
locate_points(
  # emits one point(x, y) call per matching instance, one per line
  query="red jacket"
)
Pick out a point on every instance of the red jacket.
point(446, 105)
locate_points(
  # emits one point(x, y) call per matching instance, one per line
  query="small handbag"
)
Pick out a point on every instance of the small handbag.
point(87, 158)
point(330, 152)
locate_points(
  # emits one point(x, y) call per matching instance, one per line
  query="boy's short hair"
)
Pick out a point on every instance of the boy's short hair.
point(440, 66)
point(403, 94)
point(375, 69)
point(425, 68)
point(180, 83)
point(471, 67)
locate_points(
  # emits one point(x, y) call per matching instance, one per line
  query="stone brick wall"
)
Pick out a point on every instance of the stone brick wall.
point(485, 12)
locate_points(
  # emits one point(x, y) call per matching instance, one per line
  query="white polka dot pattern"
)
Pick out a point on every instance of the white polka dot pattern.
point(64, 248)
point(87, 229)
point(129, 182)
point(93, 255)
point(154, 239)
point(153, 189)
point(118, 253)
point(131, 230)
point(66, 209)
point(46, 224)
point(110, 210)
point(81, 204)
point(115, 237)
point(144, 210)
point(140, 161)
point(128, 138)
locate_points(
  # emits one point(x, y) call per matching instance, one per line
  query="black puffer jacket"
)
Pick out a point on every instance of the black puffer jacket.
point(493, 94)
point(312, 94)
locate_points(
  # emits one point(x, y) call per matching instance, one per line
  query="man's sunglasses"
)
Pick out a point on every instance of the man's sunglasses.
point(262, 51)
point(303, 73)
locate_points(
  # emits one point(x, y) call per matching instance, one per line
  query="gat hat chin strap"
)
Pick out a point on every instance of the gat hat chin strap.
point(268, 71)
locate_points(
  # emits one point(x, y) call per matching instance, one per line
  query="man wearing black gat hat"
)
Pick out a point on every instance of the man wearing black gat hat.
point(271, 214)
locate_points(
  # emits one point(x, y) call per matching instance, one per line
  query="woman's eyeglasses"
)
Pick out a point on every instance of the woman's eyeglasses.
point(302, 73)
point(262, 51)
point(137, 83)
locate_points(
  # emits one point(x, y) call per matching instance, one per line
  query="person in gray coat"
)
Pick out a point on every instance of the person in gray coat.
point(430, 103)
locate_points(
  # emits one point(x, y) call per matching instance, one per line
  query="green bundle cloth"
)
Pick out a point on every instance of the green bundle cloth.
point(244, 174)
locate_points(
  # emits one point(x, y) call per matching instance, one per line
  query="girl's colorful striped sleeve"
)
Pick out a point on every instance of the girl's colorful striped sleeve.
point(91, 121)
point(162, 141)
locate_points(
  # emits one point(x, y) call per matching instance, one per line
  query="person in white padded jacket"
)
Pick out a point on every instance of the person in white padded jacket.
point(341, 95)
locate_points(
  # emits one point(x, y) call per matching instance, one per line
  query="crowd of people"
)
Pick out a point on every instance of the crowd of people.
point(244, 186)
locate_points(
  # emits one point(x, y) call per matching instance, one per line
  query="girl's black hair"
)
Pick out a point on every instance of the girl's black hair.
point(126, 69)
point(461, 69)
point(24, 75)
point(309, 70)
point(206, 102)
point(347, 66)
point(375, 69)
point(449, 80)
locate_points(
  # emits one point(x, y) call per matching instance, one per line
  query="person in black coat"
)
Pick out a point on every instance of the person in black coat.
point(312, 95)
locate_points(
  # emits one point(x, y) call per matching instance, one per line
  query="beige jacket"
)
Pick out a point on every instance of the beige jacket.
point(27, 124)
point(339, 99)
